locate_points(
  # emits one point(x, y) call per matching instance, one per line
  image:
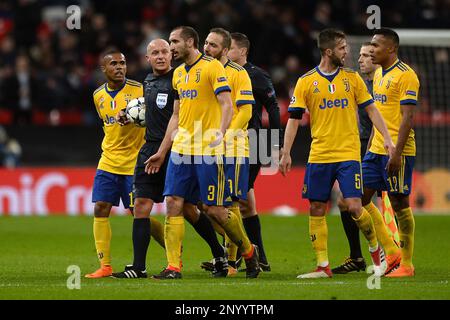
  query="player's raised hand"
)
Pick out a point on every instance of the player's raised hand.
point(154, 163)
point(285, 164)
point(122, 118)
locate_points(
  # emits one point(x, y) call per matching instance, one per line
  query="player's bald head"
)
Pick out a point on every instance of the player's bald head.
point(157, 44)
point(159, 56)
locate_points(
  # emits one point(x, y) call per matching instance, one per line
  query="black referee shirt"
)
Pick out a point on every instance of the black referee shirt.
point(159, 97)
point(365, 124)
point(264, 94)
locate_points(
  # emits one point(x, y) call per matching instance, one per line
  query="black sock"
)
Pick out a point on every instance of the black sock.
point(205, 229)
point(352, 233)
point(141, 240)
point(252, 226)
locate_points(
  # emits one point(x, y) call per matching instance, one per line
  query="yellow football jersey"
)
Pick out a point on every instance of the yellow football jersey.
point(332, 101)
point(120, 144)
point(200, 113)
point(396, 86)
point(241, 94)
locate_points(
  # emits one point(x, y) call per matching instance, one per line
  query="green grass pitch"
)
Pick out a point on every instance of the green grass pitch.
point(36, 251)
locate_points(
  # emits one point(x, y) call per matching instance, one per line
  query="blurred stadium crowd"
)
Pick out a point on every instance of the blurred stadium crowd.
point(47, 68)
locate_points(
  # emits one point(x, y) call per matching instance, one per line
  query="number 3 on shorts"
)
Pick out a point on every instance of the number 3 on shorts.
point(211, 192)
point(358, 181)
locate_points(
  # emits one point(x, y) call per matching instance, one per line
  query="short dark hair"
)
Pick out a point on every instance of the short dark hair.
point(226, 42)
point(108, 51)
point(328, 38)
point(241, 40)
point(188, 33)
point(366, 43)
point(388, 33)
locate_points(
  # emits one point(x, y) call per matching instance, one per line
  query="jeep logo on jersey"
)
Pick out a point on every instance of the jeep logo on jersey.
point(331, 88)
point(161, 100)
point(380, 97)
point(191, 94)
point(338, 103)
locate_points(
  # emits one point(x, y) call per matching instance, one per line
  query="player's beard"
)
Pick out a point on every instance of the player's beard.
point(336, 61)
point(218, 56)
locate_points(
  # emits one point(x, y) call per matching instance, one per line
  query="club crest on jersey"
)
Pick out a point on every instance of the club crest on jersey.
point(161, 100)
point(389, 82)
point(332, 88)
point(186, 79)
point(197, 75)
point(127, 98)
point(346, 84)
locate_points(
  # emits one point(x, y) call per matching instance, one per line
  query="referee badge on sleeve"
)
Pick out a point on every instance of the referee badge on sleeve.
point(161, 100)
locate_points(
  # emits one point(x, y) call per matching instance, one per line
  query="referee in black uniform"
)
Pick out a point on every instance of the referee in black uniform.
point(148, 188)
point(264, 94)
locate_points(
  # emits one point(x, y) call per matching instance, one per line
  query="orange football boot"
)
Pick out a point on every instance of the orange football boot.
point(104, 271)
point(402, 271)
point(232, 271)
point(393, 261)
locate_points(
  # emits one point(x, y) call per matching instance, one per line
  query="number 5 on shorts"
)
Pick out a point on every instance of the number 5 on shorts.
point(358, 181)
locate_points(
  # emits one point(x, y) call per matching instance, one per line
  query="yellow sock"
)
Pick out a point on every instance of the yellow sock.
point(102, 236)
point(233, 229)
point(406, 226)
point(366, 226)
point(173, 236)
point(381, 229)
point(318, 232)
point(157, 231)
point(231, 247)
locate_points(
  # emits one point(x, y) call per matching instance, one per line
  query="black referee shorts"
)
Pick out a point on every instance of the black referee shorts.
point(253, 173)
point(150, 186)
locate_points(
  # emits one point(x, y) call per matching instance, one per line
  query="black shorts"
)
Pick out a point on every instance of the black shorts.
point(150, 186)
point(253, 173)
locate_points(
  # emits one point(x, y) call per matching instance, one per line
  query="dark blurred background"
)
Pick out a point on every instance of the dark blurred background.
point(48, 73)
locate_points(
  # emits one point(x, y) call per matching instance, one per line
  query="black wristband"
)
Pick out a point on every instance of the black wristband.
point(296, 114)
